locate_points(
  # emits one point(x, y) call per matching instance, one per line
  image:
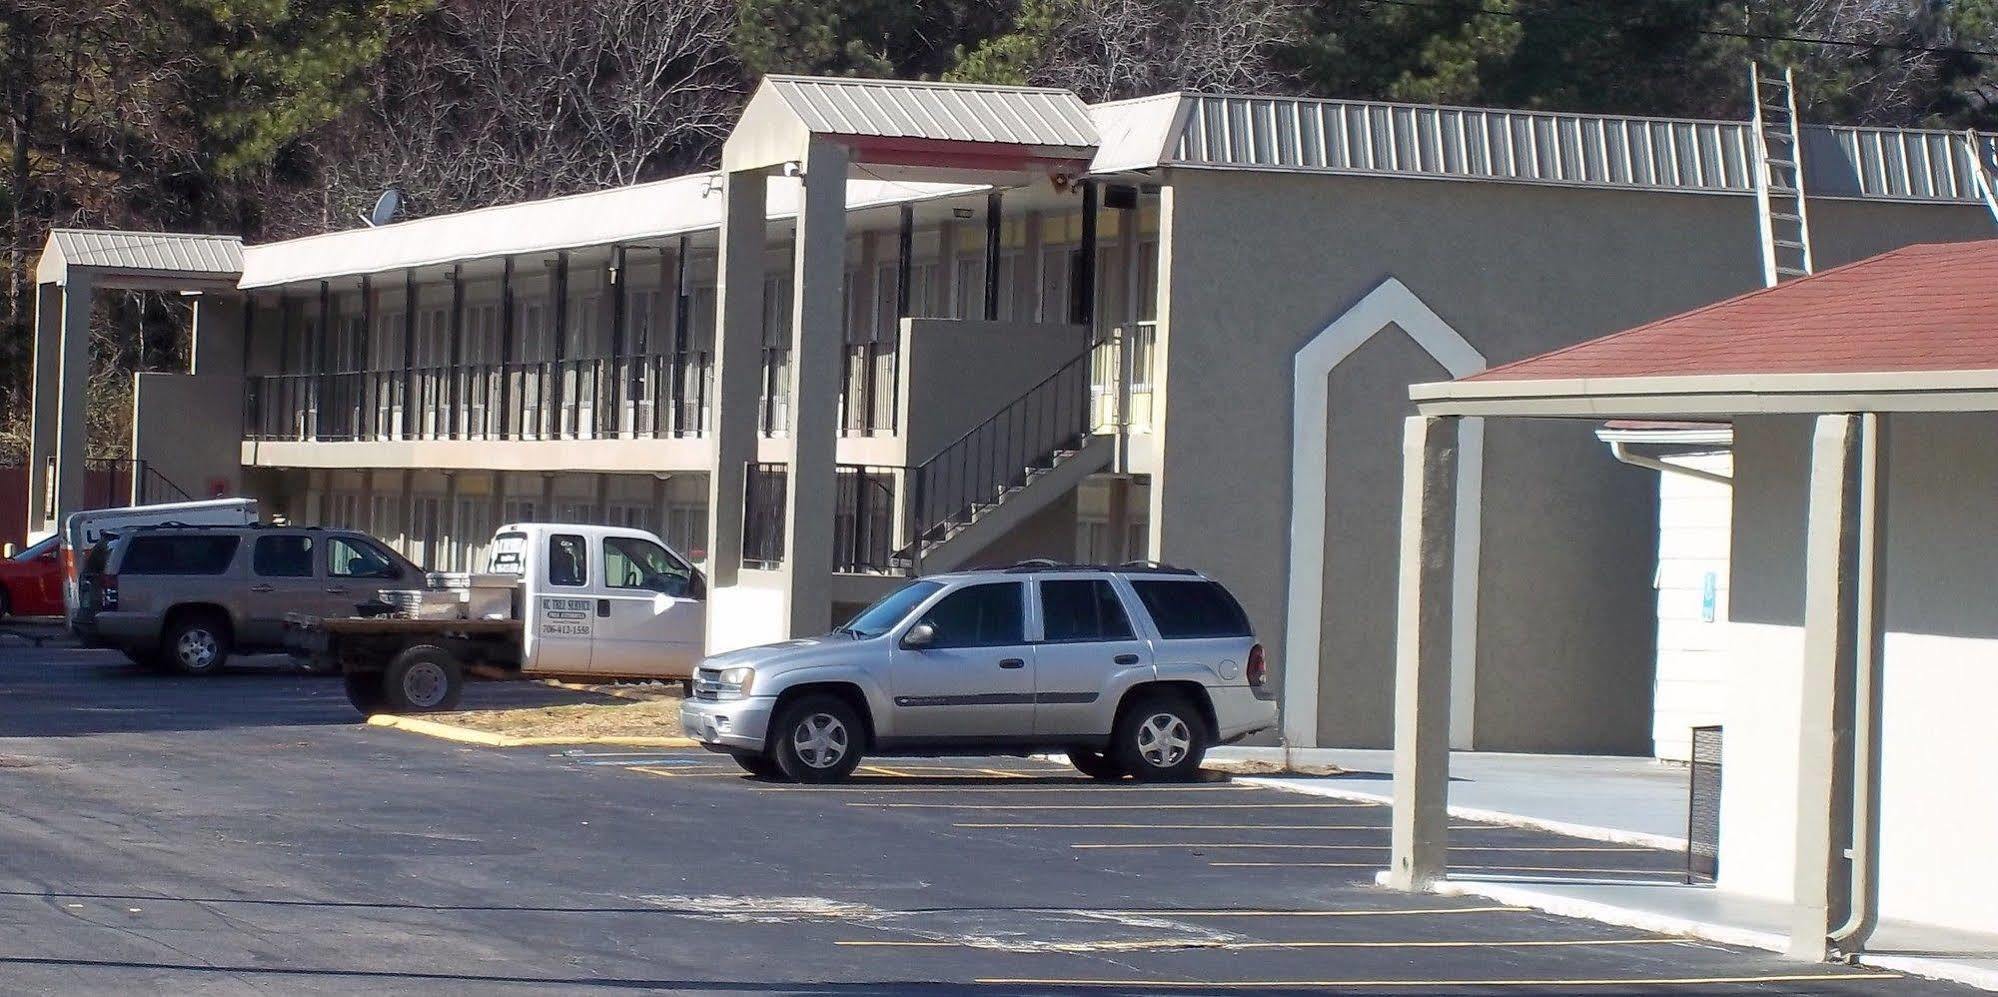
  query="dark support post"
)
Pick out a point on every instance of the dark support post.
point(992, 220)
point(561, 338)
point(905, 239)
point(618, 358)
point(410, 417)
point(457, 347)
point(324, 359)
point(507, 428)
point(683, 307)
point(1085, 263)
point(365, 409)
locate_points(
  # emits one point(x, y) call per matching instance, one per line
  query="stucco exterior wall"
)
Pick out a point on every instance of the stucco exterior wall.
point(1941, 667)
point(1256, 264)
point(186, 428)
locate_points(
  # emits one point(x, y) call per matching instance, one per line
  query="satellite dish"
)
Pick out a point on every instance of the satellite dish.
point(386, 208)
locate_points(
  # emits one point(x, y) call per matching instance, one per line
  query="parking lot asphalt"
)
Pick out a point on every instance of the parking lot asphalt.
point(246, 834)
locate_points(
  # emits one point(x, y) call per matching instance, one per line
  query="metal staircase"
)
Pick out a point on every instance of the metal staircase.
point(1779, 178)
point(1032, 451)
point(1982, 170)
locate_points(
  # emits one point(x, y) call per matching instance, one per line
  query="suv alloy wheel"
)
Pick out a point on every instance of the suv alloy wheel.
point(818, 740)
point(196, 644)
point(1160, 737)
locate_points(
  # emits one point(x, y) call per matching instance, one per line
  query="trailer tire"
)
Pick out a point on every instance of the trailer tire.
point(423, 679)
point(364, 690)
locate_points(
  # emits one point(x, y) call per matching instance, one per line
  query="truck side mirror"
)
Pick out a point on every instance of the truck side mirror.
point(920, 636)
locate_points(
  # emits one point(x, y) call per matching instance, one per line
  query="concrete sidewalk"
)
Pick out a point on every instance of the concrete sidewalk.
point(1626, 800)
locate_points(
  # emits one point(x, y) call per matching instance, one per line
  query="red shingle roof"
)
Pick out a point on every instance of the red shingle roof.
point(1919, 308)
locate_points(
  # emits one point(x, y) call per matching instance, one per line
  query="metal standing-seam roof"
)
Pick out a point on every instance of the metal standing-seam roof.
point(1295, 134)
point(951, 112)
point(148, 252)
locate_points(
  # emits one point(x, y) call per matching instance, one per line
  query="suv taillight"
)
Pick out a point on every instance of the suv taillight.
point(1258, 671)
point(107, 592)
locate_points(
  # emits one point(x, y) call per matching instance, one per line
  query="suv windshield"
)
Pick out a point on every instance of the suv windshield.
point(879, 618)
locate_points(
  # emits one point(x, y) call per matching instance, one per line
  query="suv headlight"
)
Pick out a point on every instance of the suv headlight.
point(735, 682)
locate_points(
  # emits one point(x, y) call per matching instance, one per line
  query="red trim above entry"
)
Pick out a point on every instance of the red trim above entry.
point(941, 154)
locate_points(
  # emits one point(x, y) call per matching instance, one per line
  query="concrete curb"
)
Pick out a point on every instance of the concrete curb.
point(1612, 835)
point(1667, 924)
point(467, 735)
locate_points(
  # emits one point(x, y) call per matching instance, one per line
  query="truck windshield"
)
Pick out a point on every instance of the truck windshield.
point(879, 618)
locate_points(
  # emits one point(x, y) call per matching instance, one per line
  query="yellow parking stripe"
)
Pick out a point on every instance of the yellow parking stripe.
point(878, 770)
point(1116, 806)
point(1143, 944)
point(1358, 848)
point(1635, 981)
point(1454, 868)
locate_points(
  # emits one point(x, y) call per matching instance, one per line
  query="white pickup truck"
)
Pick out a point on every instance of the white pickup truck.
point(556, 601)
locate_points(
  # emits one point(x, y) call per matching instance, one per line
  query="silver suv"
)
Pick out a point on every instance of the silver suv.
point(186, 597)
point(1132, 671)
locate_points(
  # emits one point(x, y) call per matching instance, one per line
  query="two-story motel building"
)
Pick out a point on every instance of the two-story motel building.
point(913, 326)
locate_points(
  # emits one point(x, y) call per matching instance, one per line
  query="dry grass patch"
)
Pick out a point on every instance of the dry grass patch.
point(635, 717)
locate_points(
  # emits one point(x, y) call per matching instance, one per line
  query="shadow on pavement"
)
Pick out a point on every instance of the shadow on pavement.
point(68, 692)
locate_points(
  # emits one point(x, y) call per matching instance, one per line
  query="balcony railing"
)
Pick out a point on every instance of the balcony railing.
point(867, 389)
point(651, 396)
point(864, 517)
point(1120, 393)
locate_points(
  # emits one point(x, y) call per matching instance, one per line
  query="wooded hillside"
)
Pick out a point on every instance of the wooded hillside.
point(275, 118)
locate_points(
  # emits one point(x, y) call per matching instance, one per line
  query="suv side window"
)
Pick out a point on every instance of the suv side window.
point(1192, 609)
point(568, 560)
point(282, 556)
point(347, 558)
point(183, 555)
point(988, 615)
point(1082, 609)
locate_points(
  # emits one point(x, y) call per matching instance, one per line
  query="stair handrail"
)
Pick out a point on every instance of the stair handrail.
point(1042, 407)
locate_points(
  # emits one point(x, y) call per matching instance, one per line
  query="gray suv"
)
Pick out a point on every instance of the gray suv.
point(1132, 671)
point(186, 597)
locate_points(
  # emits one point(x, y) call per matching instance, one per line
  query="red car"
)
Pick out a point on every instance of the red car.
point(31, 581)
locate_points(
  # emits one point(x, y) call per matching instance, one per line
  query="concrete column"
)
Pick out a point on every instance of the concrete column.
point(72, 389)
point(819, 266)
point(1420, 832)
point(42, 432)
point(1825, 699)
point(219, 335)
point(738, 350)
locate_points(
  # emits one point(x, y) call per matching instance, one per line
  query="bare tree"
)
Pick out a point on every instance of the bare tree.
point(511, 99)
point(1110, 49)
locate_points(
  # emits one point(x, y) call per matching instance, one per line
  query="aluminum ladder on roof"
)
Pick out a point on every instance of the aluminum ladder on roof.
point(1779, 180)
point(1981, 170)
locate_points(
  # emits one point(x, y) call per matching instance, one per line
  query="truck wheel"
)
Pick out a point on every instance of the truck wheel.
point(1095, 764)
point(422, 679)
point(196, 643)
point(364, 690)
point(817, 740)
point(1160, 737)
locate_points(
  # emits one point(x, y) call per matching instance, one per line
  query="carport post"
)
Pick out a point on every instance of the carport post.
point(1420, 836)
point(1825, 699)
point(818, 270)
point(738, 369)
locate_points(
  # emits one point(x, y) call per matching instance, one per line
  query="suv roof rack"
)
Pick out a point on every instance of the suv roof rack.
point(1039, 564)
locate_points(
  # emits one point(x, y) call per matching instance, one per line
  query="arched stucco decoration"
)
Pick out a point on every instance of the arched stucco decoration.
point(1389, 304)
